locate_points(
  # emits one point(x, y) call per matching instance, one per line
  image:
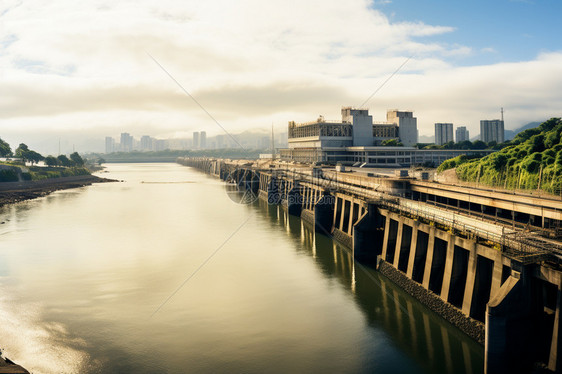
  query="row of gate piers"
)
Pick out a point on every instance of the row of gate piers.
point(510, 306)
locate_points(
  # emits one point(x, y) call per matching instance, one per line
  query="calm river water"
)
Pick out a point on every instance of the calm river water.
point(83, 271)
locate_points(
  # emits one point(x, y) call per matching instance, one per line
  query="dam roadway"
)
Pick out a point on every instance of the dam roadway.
point(487, 261)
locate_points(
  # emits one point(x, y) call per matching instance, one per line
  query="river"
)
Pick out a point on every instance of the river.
point(164, 273)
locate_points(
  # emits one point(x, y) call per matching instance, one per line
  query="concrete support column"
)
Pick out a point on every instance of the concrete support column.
point(323, 213)
point(350, 223)
point(429, 258)
point(294, 200)
point(496, 275)
point(336, 206)
point(385, 240)
point(553, 363)
point(448, 267)
point(413, 248)
point(273, 196)
point(398, 246)
point(342, 215)
point(508, 334)
point(364, 238)
point(470, 280)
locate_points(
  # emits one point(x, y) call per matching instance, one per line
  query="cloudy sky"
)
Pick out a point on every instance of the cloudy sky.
point(81, 70)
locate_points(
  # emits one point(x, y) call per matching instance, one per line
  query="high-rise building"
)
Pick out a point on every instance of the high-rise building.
point(220, 141)
point(492, 131)
point(126, 142)
point(160, 144)
point(109, 144)
point(443, 133)
point(146, 143)
point(407, 126)
point(203, 140)
point(195, 140)
point(461, 134)
point(362, 123)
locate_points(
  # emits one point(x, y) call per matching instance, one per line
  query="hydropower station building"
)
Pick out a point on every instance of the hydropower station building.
point(357, 140)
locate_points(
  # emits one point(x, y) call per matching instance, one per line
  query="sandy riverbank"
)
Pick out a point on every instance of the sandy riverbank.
point(12, 192)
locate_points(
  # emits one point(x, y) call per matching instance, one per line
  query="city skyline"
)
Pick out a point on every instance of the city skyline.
point(196, 141)
point(91, 75)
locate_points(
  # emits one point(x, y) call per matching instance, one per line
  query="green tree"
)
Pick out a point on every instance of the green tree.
point(465, 144)
point(77, 159)
point(64, 161)
point(5, 150)
point(449, 145)
point(26, 154)
point(392, 143)
point(479, 144)
point(21, 151)
point(51, 161)
point(499, 161)
point(34, 157)
point(432, 146)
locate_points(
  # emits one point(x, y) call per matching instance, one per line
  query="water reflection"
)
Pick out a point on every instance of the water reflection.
point(433, 343)
point(81, 273)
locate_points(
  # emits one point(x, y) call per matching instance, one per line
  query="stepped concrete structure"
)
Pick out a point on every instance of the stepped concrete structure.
point(489, 262)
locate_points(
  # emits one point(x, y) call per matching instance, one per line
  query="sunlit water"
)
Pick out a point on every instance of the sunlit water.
point(82, 273)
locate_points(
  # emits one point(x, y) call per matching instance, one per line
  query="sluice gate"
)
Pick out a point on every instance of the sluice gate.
point(502, 291)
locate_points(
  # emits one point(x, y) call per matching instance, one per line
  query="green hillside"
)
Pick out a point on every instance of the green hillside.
point(532, 160)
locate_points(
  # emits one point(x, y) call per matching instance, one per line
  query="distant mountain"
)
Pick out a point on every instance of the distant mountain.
point(426, 139)
point(510, 134)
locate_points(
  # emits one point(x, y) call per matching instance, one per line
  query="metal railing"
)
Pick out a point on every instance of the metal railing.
point(519, 244)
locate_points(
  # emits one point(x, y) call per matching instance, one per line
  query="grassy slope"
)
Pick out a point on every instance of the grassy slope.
point(534, 156)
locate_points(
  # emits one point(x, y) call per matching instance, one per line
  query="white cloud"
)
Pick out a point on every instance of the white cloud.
point(488, 50)
point(83, 65)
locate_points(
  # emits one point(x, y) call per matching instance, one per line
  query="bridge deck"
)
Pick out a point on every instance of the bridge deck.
point(546, 206)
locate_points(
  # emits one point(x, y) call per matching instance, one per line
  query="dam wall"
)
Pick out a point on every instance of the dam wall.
point(501, 290)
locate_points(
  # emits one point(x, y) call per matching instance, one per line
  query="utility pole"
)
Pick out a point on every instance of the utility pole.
point(272, 142)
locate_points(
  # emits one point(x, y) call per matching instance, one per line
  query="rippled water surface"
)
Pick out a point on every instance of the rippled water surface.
point(85, 275)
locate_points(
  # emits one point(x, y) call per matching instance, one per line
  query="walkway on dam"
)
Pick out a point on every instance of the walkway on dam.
point(526, 246)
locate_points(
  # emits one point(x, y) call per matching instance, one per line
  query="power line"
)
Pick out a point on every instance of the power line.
point(387, 79)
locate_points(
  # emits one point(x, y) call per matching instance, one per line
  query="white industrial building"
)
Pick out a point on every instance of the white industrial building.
point(355, 140)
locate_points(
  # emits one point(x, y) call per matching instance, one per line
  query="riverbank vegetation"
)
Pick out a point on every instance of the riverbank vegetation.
point(24, 165)
point(466, 144)
point(532, 160)
point(16, 171)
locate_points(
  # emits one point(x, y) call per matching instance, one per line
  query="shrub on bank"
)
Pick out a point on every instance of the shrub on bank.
point(40, 173)
point(8, 175)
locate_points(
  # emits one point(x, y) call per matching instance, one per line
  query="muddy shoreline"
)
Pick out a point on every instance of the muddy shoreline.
point(13, 192)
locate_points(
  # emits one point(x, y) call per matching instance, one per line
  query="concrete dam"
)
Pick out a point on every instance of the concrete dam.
point(489, 262)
